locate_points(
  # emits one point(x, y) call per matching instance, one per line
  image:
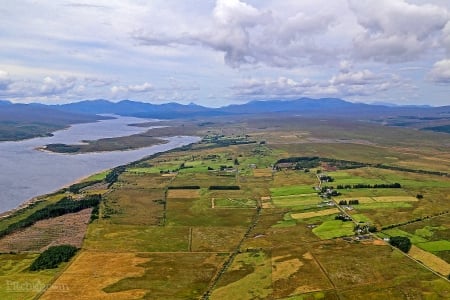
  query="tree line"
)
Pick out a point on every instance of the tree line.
point(64, 206)
point(395, 185)
point(184, 187)
point(53, 256)
point(113, 175)
point(349, 202)
point(77, 187)
point(224, 187)
point(314, 161)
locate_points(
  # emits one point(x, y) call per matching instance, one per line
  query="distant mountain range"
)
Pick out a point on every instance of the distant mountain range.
point(303, 106)
point(330, 107)
point(40, 113)
point(19, 121)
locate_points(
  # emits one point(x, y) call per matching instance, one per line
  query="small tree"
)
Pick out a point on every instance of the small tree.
point(53, 256)
point(401, 242)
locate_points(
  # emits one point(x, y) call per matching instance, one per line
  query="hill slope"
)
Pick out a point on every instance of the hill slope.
point(22, 121)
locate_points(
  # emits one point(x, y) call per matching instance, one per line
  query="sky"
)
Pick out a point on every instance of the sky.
point(218, 52)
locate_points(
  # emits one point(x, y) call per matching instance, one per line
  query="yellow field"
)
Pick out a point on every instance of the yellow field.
point(386, 199)
point(169, 175)
point(282, 269)
point(92, 271)
point(186, 194)
point(430, 260)
point(395, 199)
point(266, 202)
point(262, 172)
point(312, 214)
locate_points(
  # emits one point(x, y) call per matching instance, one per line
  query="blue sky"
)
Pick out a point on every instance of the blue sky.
point(219, 52)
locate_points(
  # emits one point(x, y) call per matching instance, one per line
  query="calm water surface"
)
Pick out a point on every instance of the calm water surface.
point(26, 172)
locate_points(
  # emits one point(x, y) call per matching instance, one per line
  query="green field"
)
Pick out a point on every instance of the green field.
point(398, 232)
point(291, 190)
point(237, 203)
point(435, 246)
point(334, 228)
point(296, 200)
point(17, 282)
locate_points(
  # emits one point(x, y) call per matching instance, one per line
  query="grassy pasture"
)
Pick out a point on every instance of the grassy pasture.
point(98, 176)
point(92, 272)
point(236, 203)
point(361, 218)
point(183, 194)
point(249, 277)
point(215, 239)
point(314, 296)
point(415, 239)
point(333, 228)
point(435, 246)
point(388, 205)
point(355, 193)
point(288, 178)
point(133, 238)
point(142, 170)
point(432, 229)
point(291, 190)
point(296, 271)
point(175, 277)
point(347, 273)
point(386, 199)
point(312, 214)
point(18, 283)
point(287, 221)
point(198, 212)
point(262, 172)
point(143, 181)
point(203, 180)
point(296, 200)
point(136, 206)
point(426, 289)
point(354, 177)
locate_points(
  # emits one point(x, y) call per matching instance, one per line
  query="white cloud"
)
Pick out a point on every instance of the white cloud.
point(51, 86)
point(235, 12)
point(396, 31)
point(345, 84)
point(138, 88)
point(281, 86)
point(48, 88)
point(440, 73)
point(345, 66)
point(446, 38)
point(248, 35)
point(5, 81)
point(354, 78)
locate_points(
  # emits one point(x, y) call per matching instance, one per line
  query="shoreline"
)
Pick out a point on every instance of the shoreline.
point(25, 204)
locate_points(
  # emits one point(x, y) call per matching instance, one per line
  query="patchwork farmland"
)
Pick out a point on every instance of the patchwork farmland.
point(231, 222)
